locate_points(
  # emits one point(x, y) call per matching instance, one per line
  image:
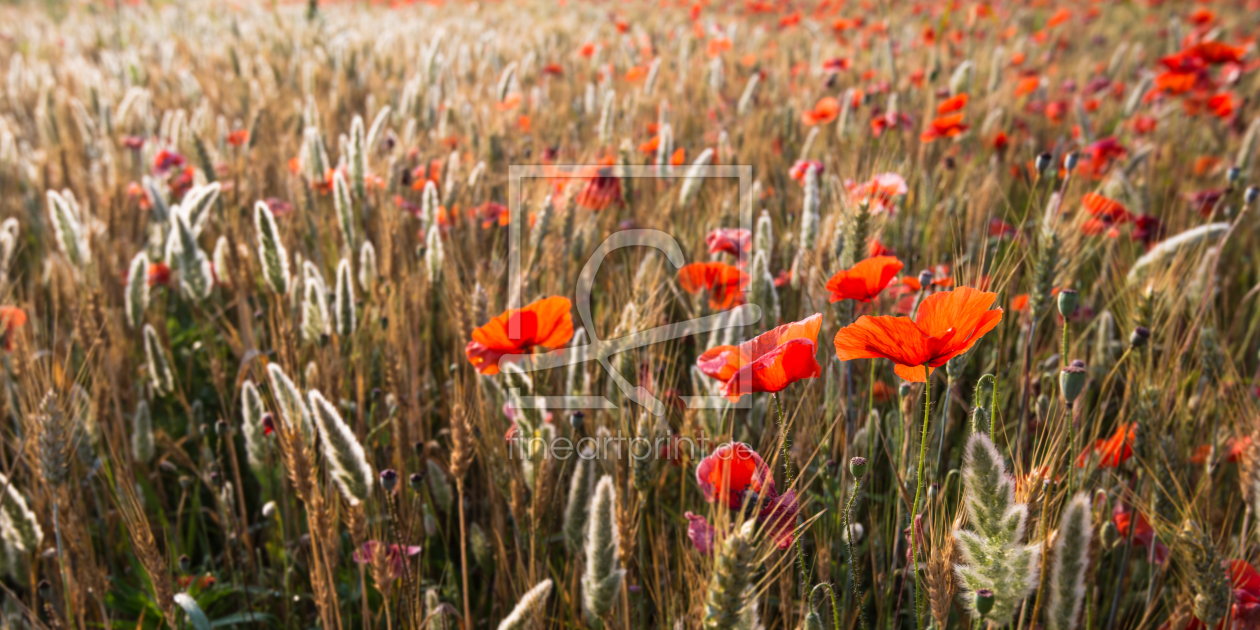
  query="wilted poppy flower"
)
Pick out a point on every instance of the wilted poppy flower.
point(1114, 450)
point(11, 318)
point(825, 111)
point(735, 475)
point(374, 551)
point(724, 283)
point(948, 324)
point(700, 532)
point(544, 323)
point(879, 192)
point(1143, 534)
point(733, 241)
point(768, 363)
point(865, 280)
point(944, 127)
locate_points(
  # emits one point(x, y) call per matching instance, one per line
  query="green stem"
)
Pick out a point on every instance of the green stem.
point(853, 575)
point(787, 484)
point(918, 492)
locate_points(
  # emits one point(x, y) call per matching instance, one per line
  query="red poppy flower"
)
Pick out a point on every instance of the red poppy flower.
point(11, 318)
point(876, 248)
point(1106, 209)
point(553, 69)
point(238, 137)
point(733, 241)
point(1143, 534)
point(952, 104)
point(825, 111)
point(166, 160)
point(678, 157)
point(135, 143)
point(948, 324)
point(768, 363)
point(602, 187)
point(1114, 450)
point(801, 168)
point(1215, 52)
point(159, 274)
point(724, 283)
point(1222, 105)
point(944, 127)
point(735, 475)
point(879, 192)
point(865, 280)
point(544, 323)
point(1019, 303)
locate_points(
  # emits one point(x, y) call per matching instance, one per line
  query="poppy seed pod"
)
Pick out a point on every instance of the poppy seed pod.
point(1233, 174)
point(1077, 363)
point(1071, 383)
point(1069, 162)
point(1139, 337)
point(1043, 162)
point(857, 466)
point(1068, 299)
point(417, 481)
point(185, 564)
point(904, 389)
point(983, 601)
point(576, 420)
point(925, 277)
point(389, 479)
point(1250, 196)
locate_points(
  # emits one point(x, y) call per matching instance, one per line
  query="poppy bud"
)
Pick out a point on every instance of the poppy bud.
point(184, 482)
point(1069, 162)
point(832, 467)
point(813, 621)
point(576, 419)
point(857, 466)
point(1232, 175)
point(1139, 337)
point(268, 423)
point(417, 481)
point(389, 479)
point(1250, 196)
point(1068, 299)
point(1043, 162)
point(1110, 535)
point(933, 490)
point(45, 589)
point(983, 601)
point(904, 389)
point(1071, 383)
point(185, 564)
point(925, 278)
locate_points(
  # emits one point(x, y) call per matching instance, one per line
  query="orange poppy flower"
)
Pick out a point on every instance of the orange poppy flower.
point(948, 324)
point(865, 280)
point(944, 127)
point(159, 274)
point(1027, 86)
point(724, 283)
point(602, 187)
point(11, 318)
point(679, 156)
point(650, 146)
point(544, 323)
point(1114, 450)
point(768, 363)
point(952, 104)
point(1019, 303)
point(1106, 209)
point(824, 112)
point(637, 73)
point(510, 102)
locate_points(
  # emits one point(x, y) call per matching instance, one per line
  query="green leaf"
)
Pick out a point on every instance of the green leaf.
point(198, 618)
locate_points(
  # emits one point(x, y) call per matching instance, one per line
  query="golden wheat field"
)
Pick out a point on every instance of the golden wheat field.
point(768, 314)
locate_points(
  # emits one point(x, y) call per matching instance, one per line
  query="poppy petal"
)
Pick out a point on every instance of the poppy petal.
point(884, 337)
point(774, 371)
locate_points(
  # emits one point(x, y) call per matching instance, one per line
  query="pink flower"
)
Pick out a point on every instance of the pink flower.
point(878, 192)
point(393, 555)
